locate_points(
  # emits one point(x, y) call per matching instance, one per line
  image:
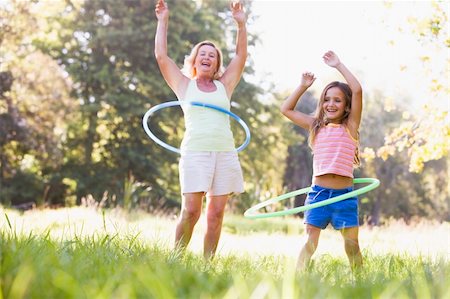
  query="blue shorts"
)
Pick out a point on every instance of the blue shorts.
point(341, 214)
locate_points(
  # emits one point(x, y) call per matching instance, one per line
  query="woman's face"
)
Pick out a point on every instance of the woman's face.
point(206, 61)
point(334, 105)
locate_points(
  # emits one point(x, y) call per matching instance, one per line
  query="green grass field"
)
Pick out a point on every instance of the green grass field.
point(88, 253)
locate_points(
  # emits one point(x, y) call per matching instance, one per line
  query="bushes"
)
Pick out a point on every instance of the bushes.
point(25, 190)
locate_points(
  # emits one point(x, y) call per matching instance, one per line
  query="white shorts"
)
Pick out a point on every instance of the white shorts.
point(217, 173)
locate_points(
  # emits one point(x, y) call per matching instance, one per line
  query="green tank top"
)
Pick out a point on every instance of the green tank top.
point(207, 129)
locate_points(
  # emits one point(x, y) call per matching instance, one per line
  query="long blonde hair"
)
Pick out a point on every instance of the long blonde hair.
point(320, 120)
point(189, 69)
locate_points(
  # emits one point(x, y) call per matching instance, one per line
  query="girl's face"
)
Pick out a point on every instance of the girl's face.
point(206, 61)
point(334, 105)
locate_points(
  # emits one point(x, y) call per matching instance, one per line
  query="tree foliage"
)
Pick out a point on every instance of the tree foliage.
point(402, 193)
point(33, 110)
point(425, 136)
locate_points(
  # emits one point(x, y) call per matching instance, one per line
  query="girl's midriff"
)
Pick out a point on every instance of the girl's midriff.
point(333, 181)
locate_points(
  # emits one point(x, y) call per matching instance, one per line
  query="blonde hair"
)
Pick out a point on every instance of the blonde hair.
point(189, 69)
point(320, 120)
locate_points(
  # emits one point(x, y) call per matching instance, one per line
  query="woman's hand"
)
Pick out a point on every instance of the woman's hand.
point(331, 59)
point(237, 10)
point(162, 11)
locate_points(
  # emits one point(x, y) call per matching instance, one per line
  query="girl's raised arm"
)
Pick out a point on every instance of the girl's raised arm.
point(288, 107)
point(354, 118)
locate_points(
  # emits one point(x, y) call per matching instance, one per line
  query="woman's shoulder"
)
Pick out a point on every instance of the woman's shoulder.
point(191, 84)
point(220, 86)
point(219, 83)
point(189, 88)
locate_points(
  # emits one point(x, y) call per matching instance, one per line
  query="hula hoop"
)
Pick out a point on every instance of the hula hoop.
point(252, 212)
point(179, 103)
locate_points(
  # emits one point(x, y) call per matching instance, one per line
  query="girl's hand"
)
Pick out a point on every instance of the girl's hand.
point(307, 79)
point(331, 59)
point(162, 11)
point(237, 10)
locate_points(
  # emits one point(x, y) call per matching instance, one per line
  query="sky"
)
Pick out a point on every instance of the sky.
point(373, 38)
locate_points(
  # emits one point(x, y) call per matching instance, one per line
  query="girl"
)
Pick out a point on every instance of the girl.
point(334, 142)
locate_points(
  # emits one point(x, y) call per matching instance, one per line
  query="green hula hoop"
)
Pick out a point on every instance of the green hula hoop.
point(253, 214)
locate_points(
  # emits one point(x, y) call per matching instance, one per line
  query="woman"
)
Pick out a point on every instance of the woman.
point(209, 164)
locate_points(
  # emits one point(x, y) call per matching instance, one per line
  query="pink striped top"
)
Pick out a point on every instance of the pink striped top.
point(334, 151)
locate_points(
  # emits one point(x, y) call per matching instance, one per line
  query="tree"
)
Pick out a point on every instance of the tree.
point(426, 137)
point(402, 194)
point(298, 173)
point(32, 107)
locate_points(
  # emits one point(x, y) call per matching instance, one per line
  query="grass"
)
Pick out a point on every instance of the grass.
point(84, 253)
point(236, 224)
